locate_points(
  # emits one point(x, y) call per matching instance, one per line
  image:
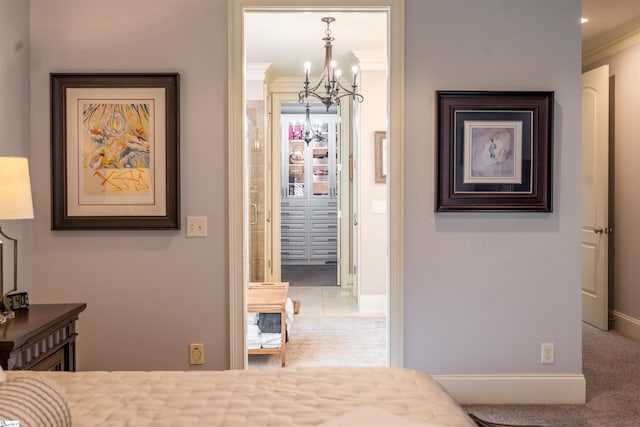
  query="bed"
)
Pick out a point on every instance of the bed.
point(328, 397)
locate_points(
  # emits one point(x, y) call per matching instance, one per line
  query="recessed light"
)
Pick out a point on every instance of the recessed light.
point(584, 20)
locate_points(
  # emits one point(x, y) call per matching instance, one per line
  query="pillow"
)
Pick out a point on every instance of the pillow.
point(34, 402)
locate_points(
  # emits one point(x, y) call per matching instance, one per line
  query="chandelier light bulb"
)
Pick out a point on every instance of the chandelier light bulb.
point(332, 72)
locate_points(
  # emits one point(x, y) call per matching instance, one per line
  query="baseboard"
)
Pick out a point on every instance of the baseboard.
point(515, 389)
point(627, 325)
point(372, 304)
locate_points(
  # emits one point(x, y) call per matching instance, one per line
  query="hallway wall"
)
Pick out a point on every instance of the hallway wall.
point(624, 67)
point(373, 195)
point(14, 123)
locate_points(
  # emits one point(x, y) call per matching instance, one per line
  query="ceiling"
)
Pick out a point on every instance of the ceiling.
point(606, 16)
point(287, 39)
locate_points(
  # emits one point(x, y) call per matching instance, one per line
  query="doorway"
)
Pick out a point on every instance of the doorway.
point(239, 209)
point(310, 193)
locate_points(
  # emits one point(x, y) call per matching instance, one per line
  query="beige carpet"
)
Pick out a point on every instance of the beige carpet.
point(331, 341)
point(611, 365)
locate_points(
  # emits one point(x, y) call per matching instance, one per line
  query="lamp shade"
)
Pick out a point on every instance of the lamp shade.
point(15, 189)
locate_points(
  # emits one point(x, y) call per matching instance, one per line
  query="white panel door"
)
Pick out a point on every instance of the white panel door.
point(595, 196)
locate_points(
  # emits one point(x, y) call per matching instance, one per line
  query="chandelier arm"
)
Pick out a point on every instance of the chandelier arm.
point(356, 96)
point(351, 91)
point(309, 95)
point(320, 82)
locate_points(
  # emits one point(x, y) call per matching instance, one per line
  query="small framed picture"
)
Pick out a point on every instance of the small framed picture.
point(494, 151)
point(381, 156)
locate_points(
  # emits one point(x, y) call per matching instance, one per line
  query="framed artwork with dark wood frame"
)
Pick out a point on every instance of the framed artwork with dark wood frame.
point(494, 151)
point(381, 156)
point(115, 151)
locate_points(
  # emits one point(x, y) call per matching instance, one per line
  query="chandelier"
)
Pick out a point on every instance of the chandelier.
point(308, 132)
point(328, 90)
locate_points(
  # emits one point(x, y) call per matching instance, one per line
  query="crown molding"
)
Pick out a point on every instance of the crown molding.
point(370, 59)
point(257, 71)
point(610, 43)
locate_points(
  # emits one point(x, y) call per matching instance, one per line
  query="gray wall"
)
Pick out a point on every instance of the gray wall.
point(14, 121)
point(623, 67)
point(149, 293)
point(482, 291)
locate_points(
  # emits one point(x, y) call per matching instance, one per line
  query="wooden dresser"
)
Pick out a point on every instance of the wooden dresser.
point(41, 338)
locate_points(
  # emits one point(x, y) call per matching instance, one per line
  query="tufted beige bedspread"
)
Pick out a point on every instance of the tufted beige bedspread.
point(268, 397)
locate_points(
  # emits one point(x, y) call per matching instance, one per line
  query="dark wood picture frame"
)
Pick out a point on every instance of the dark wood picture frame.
point(380, 156)
point(140, 139)
point(494, 151)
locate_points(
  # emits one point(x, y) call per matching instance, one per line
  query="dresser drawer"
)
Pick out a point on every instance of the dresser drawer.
point(55, 362)
point(293, 213)
point(293, 239)
point(324, 213)
point(324, 239)
point(293, 226)
point(324, 226)
point(324, 253)
point(294, 254)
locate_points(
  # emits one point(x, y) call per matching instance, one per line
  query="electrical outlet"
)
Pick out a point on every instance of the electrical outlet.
point(548, 353)
point(196, 226)
point(196, 354)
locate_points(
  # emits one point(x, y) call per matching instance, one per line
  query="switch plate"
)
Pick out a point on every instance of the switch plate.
point(378, 207)
point(548, 353)
point(196, 226)
point(196, 354)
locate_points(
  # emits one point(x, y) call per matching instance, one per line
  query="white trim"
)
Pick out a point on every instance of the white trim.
point(627, 325)
point(235, 238)
point(395, 185)
point(370, 59)
point(257, 71)
point(372, 304)
point(236, 199)
point(610, 43)
point(515, 389)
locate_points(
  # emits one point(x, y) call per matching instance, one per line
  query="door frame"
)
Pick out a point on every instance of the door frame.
point(238, 208)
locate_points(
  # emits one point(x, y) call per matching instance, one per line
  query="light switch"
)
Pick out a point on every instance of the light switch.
point(378, 207)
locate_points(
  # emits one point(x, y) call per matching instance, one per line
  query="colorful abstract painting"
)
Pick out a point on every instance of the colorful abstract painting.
point(117, 147)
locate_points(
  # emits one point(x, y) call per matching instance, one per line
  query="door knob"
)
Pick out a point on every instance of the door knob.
point(598, 230)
